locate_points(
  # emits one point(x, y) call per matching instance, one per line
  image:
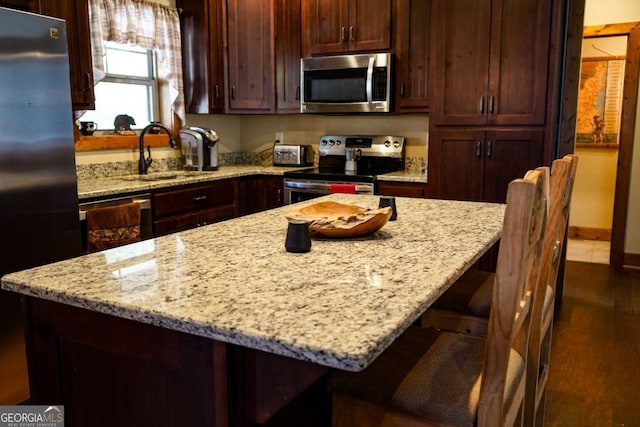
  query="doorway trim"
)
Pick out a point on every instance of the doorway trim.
point(627, 130)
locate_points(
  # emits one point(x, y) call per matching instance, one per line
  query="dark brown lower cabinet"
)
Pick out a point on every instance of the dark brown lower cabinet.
point(478, 164)
point(402, 189)
point(110, 371)
point(259, 193)
point(182, 208)
point(193, 206)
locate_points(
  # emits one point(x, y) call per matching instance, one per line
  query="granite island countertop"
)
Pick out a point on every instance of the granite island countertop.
point(339, 305)
point(111, 186)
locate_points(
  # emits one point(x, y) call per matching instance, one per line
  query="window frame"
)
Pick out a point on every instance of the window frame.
point(152, 81)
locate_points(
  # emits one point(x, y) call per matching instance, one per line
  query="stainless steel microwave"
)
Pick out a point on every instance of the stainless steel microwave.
point(346, 84)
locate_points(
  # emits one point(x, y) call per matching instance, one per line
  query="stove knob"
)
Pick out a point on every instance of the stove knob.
point(387, 143)
point(338, 142)
point(332, 142)
point(324, 142)
point(396, 144)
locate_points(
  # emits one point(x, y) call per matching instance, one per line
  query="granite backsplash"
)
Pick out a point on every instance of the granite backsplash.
point(264, 158)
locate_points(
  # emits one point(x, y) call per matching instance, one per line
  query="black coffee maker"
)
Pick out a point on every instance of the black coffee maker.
point(199, 149)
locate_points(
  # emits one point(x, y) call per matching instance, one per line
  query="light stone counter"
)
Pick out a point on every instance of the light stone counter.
point(116, 185)
point(339, 305)
point(404, 176)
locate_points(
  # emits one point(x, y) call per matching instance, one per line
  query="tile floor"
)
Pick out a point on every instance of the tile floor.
point(593, 251)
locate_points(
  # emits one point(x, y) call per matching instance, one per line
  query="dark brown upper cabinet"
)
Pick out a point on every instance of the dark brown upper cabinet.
point(288, 42)
point(342, 26)
point(202, 55)
point(241, 56)
point(413, 19)
point(490, 61)
point(76, 15)
point(250, 56)
point(17, 4)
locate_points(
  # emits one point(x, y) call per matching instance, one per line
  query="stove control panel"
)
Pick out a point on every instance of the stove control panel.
point(368, 145)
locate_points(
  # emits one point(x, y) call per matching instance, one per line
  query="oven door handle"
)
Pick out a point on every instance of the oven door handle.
point(372, 60)
point(308, 185)
point(323, 187)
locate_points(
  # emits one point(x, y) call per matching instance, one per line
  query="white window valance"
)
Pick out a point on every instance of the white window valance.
point(144, 24)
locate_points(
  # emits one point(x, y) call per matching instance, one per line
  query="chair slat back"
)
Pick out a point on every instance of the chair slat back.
point(520, 247)
point(568, 166)
point(562, 177)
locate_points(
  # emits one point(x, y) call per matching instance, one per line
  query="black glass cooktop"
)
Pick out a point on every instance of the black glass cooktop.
point(331, 168)
point(323, 174)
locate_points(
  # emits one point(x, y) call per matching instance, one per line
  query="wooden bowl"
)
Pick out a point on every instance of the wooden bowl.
point(338, 220)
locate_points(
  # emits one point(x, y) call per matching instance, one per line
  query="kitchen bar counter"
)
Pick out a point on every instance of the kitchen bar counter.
point(339, 305)
point(117, 185)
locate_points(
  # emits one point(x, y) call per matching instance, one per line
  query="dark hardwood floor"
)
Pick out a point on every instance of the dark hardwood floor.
point(594, 376)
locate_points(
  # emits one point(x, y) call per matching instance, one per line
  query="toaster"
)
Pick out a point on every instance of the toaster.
point(292, 155)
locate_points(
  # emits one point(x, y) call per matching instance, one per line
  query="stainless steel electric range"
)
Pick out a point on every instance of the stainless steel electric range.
point(347, 164)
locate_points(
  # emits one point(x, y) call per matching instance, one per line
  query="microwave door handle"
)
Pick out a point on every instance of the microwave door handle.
point(372, 60)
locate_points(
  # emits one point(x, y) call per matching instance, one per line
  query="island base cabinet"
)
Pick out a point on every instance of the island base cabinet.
point(109, 371)
point(273, 390)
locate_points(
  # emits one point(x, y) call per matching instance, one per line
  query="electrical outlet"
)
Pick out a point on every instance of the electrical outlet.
point(279, 138)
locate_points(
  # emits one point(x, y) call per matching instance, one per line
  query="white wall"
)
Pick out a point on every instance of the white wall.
point(598, 12)
point(257, 132)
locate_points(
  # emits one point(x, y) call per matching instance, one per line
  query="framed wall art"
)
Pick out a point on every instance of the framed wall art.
point(600, 102)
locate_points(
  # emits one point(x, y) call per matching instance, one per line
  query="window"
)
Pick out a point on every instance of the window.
point(129, 87)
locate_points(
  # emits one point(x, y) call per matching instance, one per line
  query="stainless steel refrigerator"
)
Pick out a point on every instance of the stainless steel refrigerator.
point(39, 220)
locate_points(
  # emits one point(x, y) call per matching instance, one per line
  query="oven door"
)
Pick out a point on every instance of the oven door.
point(299, 190)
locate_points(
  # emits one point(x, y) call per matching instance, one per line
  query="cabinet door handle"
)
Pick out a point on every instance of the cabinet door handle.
point(491, 103)
point(478, 149)
point(352, 34)
point(343, 34)
point(482, 105)
point(217, 91)
point(489, 149)
point(297, 93)
point(402, 89)
point(233, 92)
point(279, 200)
point(199, 198)
point(87, 81)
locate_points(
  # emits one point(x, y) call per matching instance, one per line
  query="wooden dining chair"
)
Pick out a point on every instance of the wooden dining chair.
point(429, 377)
point(466, 305)
point(539, 348)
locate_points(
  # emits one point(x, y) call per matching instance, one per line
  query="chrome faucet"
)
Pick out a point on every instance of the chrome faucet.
point(144, 163)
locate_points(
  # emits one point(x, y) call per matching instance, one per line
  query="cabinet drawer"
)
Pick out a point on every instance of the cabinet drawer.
point(416, 190)
point(175, 223)
point(201, 197)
